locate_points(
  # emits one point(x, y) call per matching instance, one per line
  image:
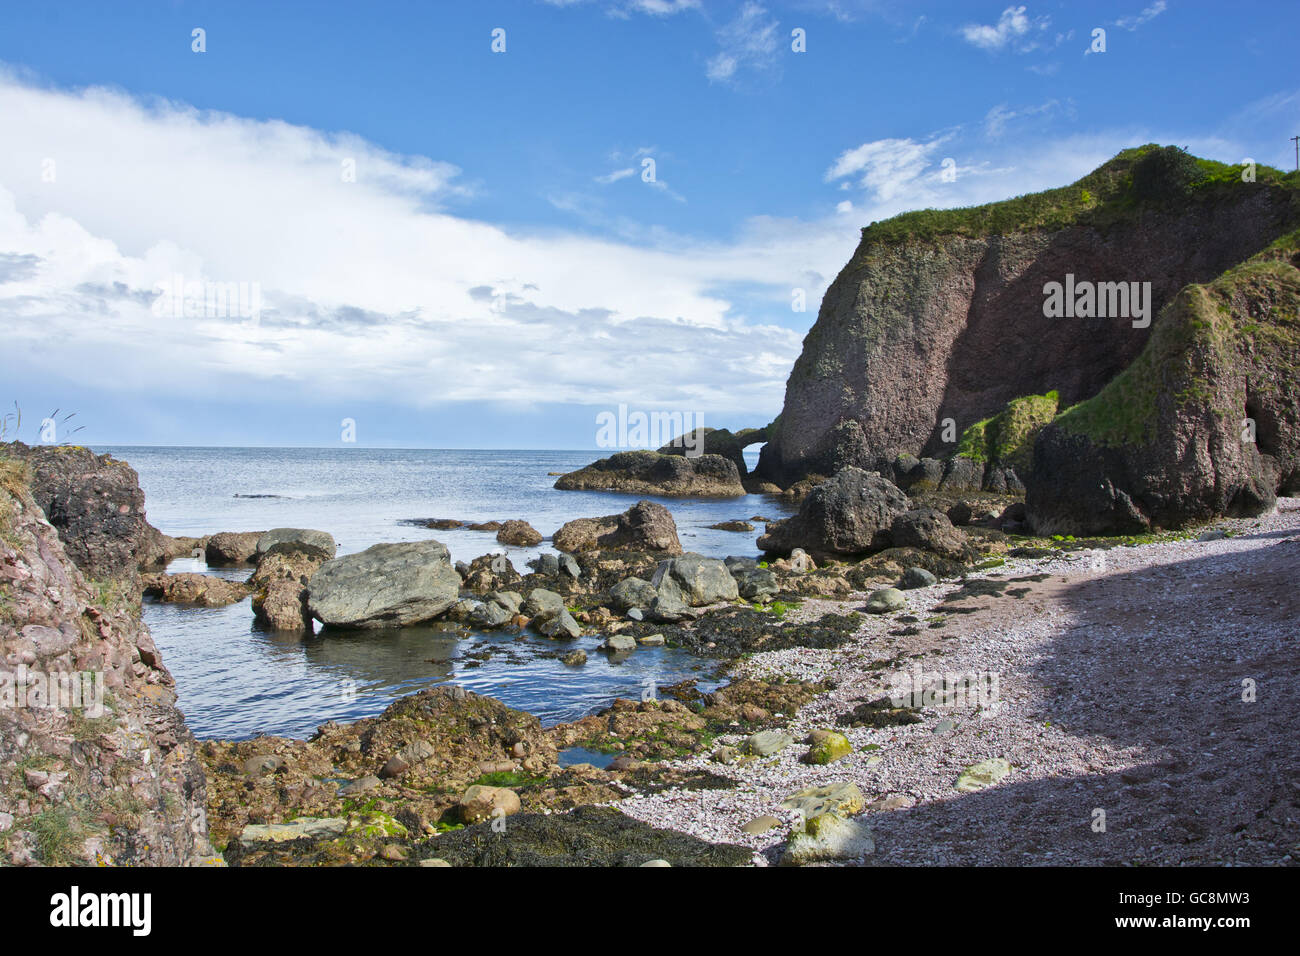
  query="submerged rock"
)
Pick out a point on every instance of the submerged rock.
point(519, 533)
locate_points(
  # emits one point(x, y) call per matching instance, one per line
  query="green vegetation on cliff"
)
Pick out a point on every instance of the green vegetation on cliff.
point(1143, 174)
point(1008, 437)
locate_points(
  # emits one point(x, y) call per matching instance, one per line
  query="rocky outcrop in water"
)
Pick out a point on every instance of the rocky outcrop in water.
point(78, 784)
point(652, 473)
point(646, 526)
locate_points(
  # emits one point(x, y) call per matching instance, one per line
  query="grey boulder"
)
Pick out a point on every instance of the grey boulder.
point(387, 585)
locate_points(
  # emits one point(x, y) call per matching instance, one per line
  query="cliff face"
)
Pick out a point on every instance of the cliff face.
point(940, 314)
point(1205, 422)
point(80, 783)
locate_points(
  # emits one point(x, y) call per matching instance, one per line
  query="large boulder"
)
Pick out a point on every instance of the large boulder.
point(652, 473)
point(850, 514)
point(930, 530)
point(387, 585)
point(95, 504)
point(232, 548)
point(519, 533)
point(204, 590)
point(646, 526)
point(716, 441)
point(303, 539)
point(695, 580)
point(1205, 422)
point(280, 585)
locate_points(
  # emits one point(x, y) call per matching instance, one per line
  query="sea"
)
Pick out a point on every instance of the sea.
point(236, 680)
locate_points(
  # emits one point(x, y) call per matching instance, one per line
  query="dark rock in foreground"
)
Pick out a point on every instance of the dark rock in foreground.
point(587, 836)
point(850, 514)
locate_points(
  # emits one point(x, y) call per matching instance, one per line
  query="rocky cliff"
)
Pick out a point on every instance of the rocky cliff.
point(96, 763)
point(940, 314)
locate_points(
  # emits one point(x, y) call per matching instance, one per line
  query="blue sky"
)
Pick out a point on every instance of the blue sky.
point(499, 270)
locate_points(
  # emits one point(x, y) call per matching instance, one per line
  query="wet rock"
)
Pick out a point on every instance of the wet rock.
point(560, 626)
point(303, 539)
point(646, 526)
point(574, 658)
point(303, 828)
point(739, 526)
point(648, 472)
point(519, 533)
point(844, 799)
point(387, 585)
point(204, 590)
point(619, 643)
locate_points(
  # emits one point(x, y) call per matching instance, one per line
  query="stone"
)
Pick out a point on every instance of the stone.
point(569, 566)
point(929, 530)
point(305, 539)
point(761, 824)
point(481, 803)
point(232, 548)
point(631, 593)
point(619, 643)
point(560, 626)
point(203, 590)
point(646, 526)
point(767, 742)
point(656, 863)
point(851, 514)
point(650, 473)
point(827, 747)
point(519, 533)
point(916, 578)
point(387, 585)
point(696, 580)
point(651, 640)
point(542, 603)
point(844, 799)
point(986, 773)
point(574, 658)
point(885, 600)
point(756, 584)
point(303, 828)
point(360, 785)
point(892, 801)
point(801, 561)
point(262, 764)
point(636, 614)
point(828, 837)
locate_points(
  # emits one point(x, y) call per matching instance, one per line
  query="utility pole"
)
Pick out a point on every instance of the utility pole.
point(1296, 140)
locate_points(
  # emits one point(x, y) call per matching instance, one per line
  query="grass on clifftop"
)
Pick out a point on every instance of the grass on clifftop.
point(1110, 192)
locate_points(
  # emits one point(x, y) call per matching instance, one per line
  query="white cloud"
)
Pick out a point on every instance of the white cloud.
point(1014, 30)
point(1147, 15)
point(1001, 116)
point(751, 41)
point(886, 167)
point(373, 287)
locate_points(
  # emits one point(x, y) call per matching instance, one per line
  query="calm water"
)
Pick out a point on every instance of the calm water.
point(236, 680)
